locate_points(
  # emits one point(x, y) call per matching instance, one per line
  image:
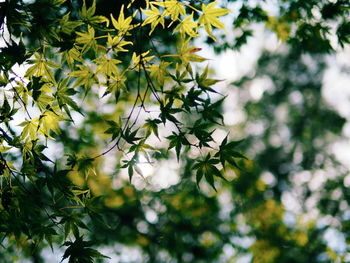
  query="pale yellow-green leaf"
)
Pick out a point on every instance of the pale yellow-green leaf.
point(71, 56)
point(186, 53)
point(49, 121)
point(85, 77)
point(117, 43)
point(107, 66)
point(187, 27)
point(87, 39)
point(4, 148)
point(173, 8)
point(140, 60)
point(154, 18)
point(209, 17)
point(159, 72)
point(41, 68)
point(99, 20)
point(68, 26)
point(43, 101)
point(123, 25)
point(30, 128)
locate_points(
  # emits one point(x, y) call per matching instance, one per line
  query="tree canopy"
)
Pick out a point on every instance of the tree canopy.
point(99, 96)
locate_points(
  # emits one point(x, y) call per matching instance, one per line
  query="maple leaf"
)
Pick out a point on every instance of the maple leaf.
point(123, 25)
point(49, 121)
point(173, 8)
point(207, 167)
point(187, 26)
point(107, 66)
point(140, 59)
point(30, 129)
point(186, 53)
point(154, 18)
point(209, 17)
point(85, 77)
point(87, 39)
point(159, 72)
point(117, 43)
point(42, 68)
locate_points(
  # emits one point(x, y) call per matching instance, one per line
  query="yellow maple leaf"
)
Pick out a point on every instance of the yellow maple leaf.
point(140, 60)
point(173, 8)
point(154, 18)
point(123, 25)
point(209, 18)
point(30, 129)
point(49, 121)
point(187, 26)
point(159, 72)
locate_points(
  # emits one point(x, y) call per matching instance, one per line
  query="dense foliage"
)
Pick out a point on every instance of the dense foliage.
point(95, 94)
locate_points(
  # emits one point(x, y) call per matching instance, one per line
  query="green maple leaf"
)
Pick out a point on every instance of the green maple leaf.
point(80, 251)
point(177, 141)
point(228, 153)
point(206, 167)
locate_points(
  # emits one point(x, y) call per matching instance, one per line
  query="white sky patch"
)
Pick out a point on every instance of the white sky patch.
point(145, 167)
point(335, 240)
point(342, 151)
point(167, 174)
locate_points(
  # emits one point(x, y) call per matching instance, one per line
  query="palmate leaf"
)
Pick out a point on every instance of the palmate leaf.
point(187, 27)
point(152, 126)
point(160, 72)
point(130, 136)
point(67, 26)
point(132, 166)
point(123, 25)
point(49, 120)
point(63, 97)
point(107, 66)
point(204, 82)
point(154, 18)
point(85, 77)
point(86, 39)
point(206, 167)
point(187, 54)
point(211, 111)
point(177, 141)
point(114, 128)
point(115, 84)
point(228, 153)
point(139, 61)
point(12, 53)
point(6, 112)
point(173, 8)
point(80, 251)
point(199, 129)
point(87, 14)
point(117, 43)
point(30, 129)
point(41, 68)
point(209, 18)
